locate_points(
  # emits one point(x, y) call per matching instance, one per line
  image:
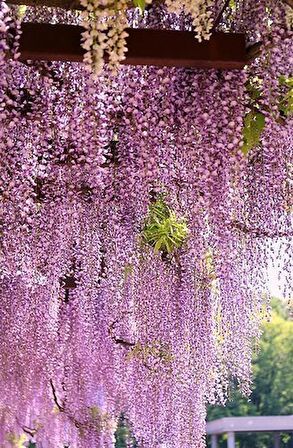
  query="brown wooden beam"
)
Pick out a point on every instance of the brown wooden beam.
point(289, 2)
point(253, 51)
point(64, 4)
point(75, 4)
point(40, 41)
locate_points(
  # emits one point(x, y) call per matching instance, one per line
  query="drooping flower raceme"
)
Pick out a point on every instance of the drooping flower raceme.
point(106, 22)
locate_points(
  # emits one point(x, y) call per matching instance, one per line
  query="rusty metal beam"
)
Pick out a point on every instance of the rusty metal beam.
point(40, 41)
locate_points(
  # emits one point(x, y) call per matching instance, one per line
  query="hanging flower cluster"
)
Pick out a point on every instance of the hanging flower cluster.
point(106, 21)
point(200, 11)
point(105, 24)
point(138, 215)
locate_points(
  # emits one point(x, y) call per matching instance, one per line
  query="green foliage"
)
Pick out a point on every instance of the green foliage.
point(21, 10)
point(284, 81)
point(127, 271)
point(254, 123)
point(16, 440)
point(272, 392)
point(123, 435)
point(139, 4)
point(254, 120)
point(279, 309)
point(163, 230)
point(286, 100)
point(155, 350)
point(253, 87)
point(232, 4)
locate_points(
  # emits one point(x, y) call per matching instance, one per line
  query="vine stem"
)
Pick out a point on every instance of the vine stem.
point(259, 233)
point(59, 406)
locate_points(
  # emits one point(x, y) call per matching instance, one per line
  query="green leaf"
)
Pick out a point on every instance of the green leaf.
point(253, 89)
point(139, 4)
point(158, 245)
point(286, 99)
point(168, 246)
point(128, 271)
point(232, 4)
point(254, 123)
point(286, 106)
point(284, 81)
point(162, 229)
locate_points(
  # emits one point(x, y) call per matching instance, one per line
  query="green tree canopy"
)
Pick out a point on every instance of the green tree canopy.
point(272, 392)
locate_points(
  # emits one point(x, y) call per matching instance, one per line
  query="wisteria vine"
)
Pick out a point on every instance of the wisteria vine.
point(138, 216)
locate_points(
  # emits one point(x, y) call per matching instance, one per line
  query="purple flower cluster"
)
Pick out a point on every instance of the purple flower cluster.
point(93, 321)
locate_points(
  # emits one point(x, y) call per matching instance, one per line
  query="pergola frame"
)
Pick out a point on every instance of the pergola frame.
point(73, 4)
point(41, 41)
point(232, 425)
point(59, 42)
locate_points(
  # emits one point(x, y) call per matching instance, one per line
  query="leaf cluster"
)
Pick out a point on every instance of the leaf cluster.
point(253, 125)
point(286, 100)
point(123, 434)
point(254, 120)
point(272, 392)
point(163, 230)
point(16, 440)
point(154, 350)
point(140, 4)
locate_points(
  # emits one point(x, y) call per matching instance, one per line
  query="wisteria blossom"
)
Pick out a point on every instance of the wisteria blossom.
point(139, 211)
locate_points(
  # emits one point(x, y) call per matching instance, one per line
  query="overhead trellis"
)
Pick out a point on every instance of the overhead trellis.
point(165, 48)
point(144, 196)
point(144, 46)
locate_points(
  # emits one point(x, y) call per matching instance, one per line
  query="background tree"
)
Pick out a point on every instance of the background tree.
point(123, 436)
point(272, 392)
